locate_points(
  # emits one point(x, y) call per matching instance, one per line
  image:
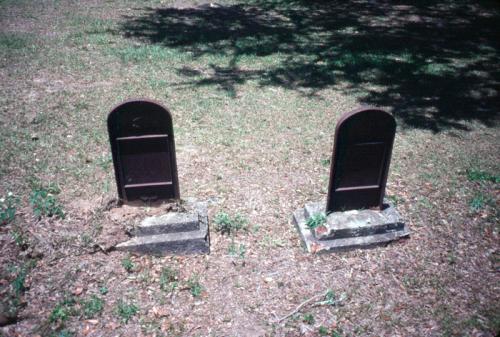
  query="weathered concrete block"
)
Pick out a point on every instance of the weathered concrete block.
point(168, 223)
point(176, 232)
point(350, 229)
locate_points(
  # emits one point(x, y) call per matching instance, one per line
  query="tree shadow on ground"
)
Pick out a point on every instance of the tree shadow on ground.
point(436, 64)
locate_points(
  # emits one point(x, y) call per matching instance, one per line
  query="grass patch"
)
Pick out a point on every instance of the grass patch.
point(15, 41)
point(8, 208)
point(126, 311)
point(146, 54)
point(92, 307)
point(226, 224)
point(482, 176)
point(479, 202)
point(194, 285)
point(63, 311)
point(169, 279)
point(44, 202)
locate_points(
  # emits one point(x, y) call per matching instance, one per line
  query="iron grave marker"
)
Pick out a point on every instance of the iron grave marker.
point(143, 148)
point(361, 157)
point(355, 214)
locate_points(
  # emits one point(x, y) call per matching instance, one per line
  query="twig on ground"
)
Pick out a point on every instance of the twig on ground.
point(303, 304)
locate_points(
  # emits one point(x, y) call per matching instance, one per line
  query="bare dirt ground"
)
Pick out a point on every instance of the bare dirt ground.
point(255, 89)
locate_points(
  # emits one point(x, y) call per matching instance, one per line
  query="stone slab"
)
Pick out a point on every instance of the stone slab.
point(168, 223)
point(356, 236)
point(172, 233)
point(355, 222)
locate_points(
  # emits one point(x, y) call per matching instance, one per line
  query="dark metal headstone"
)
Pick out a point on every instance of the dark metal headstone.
point(143, 147)
point(361, 157)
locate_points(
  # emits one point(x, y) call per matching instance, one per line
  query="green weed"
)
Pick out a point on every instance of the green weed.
point(8, 208)
point(19, 238)
point(44, 202)
point(316, 220)
point(225, 224)
point(92, 307)
point(63, 311)
point(126, 311)
point(308, 318)
point(168, 279)
point(194, 286)
point(322, 331)
point(127, 264)
point(235, 250)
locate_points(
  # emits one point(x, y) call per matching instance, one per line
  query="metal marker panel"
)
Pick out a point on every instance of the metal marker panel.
point(143, 147)
point(361, 158)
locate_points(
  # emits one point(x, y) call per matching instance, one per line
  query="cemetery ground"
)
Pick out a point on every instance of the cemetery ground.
point(255, 89)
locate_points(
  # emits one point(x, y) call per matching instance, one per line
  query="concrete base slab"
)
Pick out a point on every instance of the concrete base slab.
point(350, 229)
point(172, 233)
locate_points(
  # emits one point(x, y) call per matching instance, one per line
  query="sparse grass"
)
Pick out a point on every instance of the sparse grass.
point(482, 176)
point(63, 311)
point(226, 224)
point(8, 208)
point(146, 53)
point(126, 311)
point(92, 307)
point(169, 279)
point(194, 285)
point(479, 201)
point(44, 202)
point(237, 250)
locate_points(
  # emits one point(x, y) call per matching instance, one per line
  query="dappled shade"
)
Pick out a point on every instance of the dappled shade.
point(436, 64)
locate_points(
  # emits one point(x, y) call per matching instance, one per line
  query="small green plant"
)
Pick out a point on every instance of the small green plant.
point(63, 311)
point(477, 175)
point(44, 202)
point(168, 279)
point(103, 290)
point(18, 283)
point(126, 311)
point(127, 264)
point(316, 220)
point(19, 238)
point(92, 307)
point(8, 208)
point(322, 331)
point(308, 318)
point(225, 224)
point(234, 250)
point(194, 286)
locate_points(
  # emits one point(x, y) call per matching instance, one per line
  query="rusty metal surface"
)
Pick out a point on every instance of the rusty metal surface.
point(361, 157)
point(143, 148)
